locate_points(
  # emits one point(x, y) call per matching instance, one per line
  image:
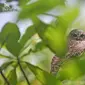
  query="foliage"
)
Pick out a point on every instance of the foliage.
point(52, 36)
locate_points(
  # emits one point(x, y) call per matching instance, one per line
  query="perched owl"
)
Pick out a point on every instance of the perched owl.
point(76, 43)
point(76, 46)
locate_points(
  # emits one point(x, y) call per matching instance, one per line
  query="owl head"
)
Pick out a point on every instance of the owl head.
point(76, 34)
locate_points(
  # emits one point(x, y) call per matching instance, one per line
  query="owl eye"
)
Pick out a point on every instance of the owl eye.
point(74, 35)
point(82, 35)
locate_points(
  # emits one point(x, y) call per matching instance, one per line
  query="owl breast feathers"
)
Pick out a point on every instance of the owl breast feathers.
point(76, 43)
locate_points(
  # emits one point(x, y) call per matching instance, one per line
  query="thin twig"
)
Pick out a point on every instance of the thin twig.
point(23, 72)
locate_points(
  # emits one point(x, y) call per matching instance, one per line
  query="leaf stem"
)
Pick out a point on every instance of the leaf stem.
point(23, 72)
point(5, 78)
point(50, 15)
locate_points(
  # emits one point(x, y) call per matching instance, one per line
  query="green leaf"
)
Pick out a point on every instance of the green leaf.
point(55, 40)
point(10, 35)
point(39, 46)
point(1, 80)
point(28, 34)
point(39, 7)
point(66, 19)
point(44, 77)
point(23, 2)
point(13, 46)
point(12, 77)
point(72, 69)
point(55, 36)
point(36, 48)
point(8, 30)
point(5, 65)
point(4, 56)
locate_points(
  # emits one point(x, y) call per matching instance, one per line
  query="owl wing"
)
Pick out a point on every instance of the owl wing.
point(55, 64)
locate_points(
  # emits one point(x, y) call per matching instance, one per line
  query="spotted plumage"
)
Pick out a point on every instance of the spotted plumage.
point(76, 43)
point(55, 65)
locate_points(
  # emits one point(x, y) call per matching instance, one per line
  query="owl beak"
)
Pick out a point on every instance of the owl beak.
point(78, 39)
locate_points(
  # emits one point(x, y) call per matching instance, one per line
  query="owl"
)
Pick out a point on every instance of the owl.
point(76, 46)
point(76, 43)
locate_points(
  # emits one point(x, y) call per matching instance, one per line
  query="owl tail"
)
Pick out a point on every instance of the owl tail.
point(55, 65)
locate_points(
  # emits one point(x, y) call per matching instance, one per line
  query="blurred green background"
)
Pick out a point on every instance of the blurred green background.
point(43, 27)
